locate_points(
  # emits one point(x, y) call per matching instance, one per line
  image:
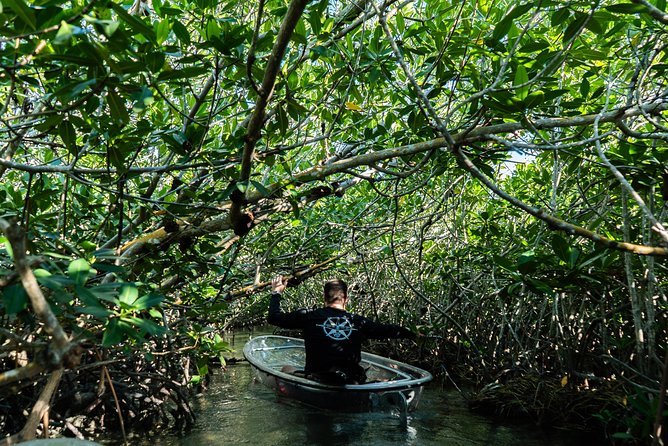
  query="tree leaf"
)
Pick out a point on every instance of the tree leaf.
point(502, 28)
point(14, 298)
point(521, 77)
point(117, 108)
point(148, 301)
point(128, 294)
point(64, 34)
point(114, 332)
point(68, 134)
point(181, 32)
point(261, 188)
point(147, 325)
point(23, 11)
point(574, 27)
point(100, 313)
point(561, 247)
point(526, 262)
point(137, 25)
point(626, 8)
point(79, 270)
point(162, 29)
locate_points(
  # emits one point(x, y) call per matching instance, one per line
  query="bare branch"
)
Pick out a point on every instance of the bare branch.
point(652, 10)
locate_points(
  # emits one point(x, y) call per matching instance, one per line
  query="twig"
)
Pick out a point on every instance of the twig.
point(658, 435)
point(118, 406)
point(41, 307)
point(21, 373)
point(251, 52)
point(39, 410)
point(653, 11)
point(656, 225)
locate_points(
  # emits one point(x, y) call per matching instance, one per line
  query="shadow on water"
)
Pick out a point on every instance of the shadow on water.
point(236, 410)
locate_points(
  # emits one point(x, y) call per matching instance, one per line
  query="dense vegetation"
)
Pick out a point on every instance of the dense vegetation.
point(490, 174)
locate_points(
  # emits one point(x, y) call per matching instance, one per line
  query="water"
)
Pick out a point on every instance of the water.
point(236, 410)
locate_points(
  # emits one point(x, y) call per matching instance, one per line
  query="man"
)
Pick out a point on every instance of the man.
point(332, 336)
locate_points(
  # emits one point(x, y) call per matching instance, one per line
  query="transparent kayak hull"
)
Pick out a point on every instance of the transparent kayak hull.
point(390, 384)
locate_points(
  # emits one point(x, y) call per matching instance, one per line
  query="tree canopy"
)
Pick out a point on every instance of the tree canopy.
point(461, 162)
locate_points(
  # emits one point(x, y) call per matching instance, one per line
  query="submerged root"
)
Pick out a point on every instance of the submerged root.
point(551, 401)
point(136, 396)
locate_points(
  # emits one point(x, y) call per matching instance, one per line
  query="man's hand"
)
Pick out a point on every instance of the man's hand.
point(278, 284)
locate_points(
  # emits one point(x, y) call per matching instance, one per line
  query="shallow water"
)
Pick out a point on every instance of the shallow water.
point(236, 410)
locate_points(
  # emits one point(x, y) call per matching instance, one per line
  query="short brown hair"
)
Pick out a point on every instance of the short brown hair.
point(335, 289)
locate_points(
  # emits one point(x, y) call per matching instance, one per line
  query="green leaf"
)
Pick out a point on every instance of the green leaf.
point(100, 313)
point(559, 16)
point(526, 263)
point(114, 332)
point(147, 325)
point(505, 263)
point(109, 27)
point(69, 136)
point(64, 34)
point(162, 29)
point(117, 108)
point(540, 286)
point(195, 379)
point(181, 32)
point(263, 190)
point(573, 258)
point(595, 258)
point(314, 19)
point(21, 9)
point(86, 296)
point(137, 25)
point(626, 8)
point(128, 294)
point(79, 270)
point(561, 247)
point(594, 26)
point(574, 27)
point(4, 243)
point(189, 73)
point(502, 28)
point(521, 77)
point(157, 7)
point(117, 154)
point(585, 87)
point(107, 291)
point(148, 301)
point(534, 99)
point(143, 98)
point(282, 117)
point(14, 298)
point(55, 283)
point(401, 25)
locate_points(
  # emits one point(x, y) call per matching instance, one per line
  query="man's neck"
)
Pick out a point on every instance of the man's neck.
point(337, 305)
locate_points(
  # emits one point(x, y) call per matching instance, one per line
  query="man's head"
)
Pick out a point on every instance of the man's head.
point(335, 290)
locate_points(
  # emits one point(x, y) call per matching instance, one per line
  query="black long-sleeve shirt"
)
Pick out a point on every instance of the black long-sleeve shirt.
point(332, 337)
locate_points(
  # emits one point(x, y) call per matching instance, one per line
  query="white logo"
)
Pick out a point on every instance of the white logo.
point(337, 328)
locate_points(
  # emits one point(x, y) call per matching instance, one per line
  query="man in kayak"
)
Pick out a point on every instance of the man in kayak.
point(332, 336)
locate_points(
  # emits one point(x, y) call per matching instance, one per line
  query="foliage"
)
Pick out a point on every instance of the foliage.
point(491, 174)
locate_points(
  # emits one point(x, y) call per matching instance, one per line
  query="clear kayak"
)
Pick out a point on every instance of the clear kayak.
point(390, 384)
